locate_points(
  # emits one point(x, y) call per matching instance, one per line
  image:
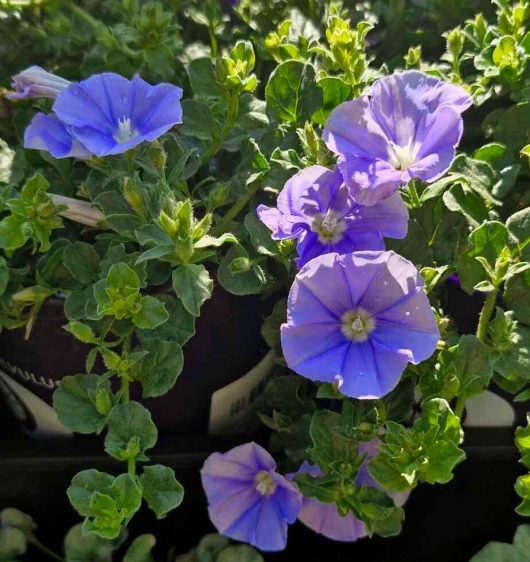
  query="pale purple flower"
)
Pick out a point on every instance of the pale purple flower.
point(109, 114)
point(408, 127)
point(324, 518)
point(46, 132)
point(247, 499)
point(316, 208)
point(357, 320)
point(36, 82)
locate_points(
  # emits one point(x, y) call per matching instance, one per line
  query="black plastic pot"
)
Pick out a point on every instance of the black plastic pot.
point(449, 522)
point(226, 346)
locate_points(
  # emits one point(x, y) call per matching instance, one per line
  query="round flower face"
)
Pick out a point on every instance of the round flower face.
point(316, 208)
point(324, 518)
point(407, 128)
point(247, 499)
point(109, 114)
point(357, 320)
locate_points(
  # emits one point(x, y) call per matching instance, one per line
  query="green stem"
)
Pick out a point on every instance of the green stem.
point(460, 405)
point(213, 41)
point(85, 16)
point(231, 115)
point(239, 205)
point(485, 315)
point(131, 467)
point(45, 550)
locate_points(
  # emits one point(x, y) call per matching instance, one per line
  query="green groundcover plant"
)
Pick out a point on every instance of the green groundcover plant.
point(344, 160)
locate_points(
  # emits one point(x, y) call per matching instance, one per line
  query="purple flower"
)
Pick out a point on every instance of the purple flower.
point(109, 114)
point(324, 518)
point(46, 132)
point(247, 499)
point(36, 82)
point(357, 320)
point(407, 128)
point(316, 207)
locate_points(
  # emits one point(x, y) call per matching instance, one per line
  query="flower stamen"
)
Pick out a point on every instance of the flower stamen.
point(329, 227)
point(265, 484)
point(125, 131)
point(358, 324)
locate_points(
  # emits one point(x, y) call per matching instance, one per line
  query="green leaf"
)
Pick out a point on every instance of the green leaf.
point(202, 78)
point(179, 328)
point(161, 368)
point(466, 202)
point(237, 275)
point(193, 285)
point(260, 235)
point(270, 329)
point(519, 226)
point(472, 362)
point(140, 549)
point(199, 121)
point(131, 431)
point(81, 331)
point(334, 92)
point(74, 402)
point(161, 490)
point(152, 313)
point(514, 363)
point(121, 275)
point(13, 543)
point(513, 128)
point(504, 552)
point(87, 548)
point(11, 517)
point(82, 261)
point(292, 94)
point(517, 296)
point(83, 485)
point(239, 553)
point(4, 275)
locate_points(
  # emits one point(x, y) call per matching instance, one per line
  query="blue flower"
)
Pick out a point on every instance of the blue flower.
point(109, 114)
point(36, 82)
point(409, 127)
point(247, 499)
point(357, 320)
point(316, 208)
point(46, 132)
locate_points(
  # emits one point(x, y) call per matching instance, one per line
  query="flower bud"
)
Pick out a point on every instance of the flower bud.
point(36, 82)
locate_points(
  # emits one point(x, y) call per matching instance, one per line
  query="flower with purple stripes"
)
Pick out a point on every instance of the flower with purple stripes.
point(316, 208)
point(407, 127)
point(357, 320)
point(247, 499)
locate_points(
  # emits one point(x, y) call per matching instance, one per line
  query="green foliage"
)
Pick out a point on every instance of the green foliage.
point(506, 552)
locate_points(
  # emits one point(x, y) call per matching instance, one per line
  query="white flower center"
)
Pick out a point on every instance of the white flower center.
point(265, 484)
point(125, 131)
point(357, 324)
point(329, 227)
point(401, 157)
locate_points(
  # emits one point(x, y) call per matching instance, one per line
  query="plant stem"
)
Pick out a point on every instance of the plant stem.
point(44, 549)
point(485, 315)
point(131, 467)
point(213, 41)
point(84, 15)
point(239, 205)
point(231, 115)
point(460, 405)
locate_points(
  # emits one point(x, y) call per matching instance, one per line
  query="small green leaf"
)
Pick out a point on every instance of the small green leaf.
point(193, 285)
point(129, 423)
point(152, 313)
point(87, 548)
point(161, 490)
point(239, 553)
point(82, 261)
point(74, 402)
point(292, 94)
point(140, 549)
point(161, 367)
point(83, 485)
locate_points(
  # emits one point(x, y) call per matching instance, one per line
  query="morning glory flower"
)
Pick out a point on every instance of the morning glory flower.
point(316, 208)
point(247, 499)
point(46, 132)
point(36, 82)
point(324, 518)
point(109, 114)
point(408, 127)
point(357, 320)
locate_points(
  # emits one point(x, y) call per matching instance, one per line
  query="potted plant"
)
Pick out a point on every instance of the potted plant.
point(381, 188)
